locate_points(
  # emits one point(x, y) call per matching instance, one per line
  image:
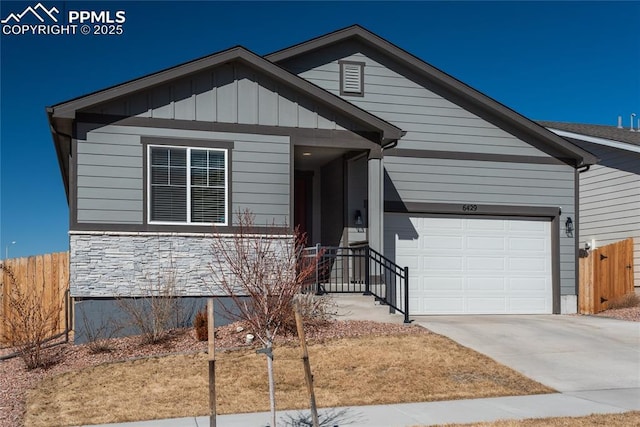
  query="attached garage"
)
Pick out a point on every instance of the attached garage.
point(473, 265)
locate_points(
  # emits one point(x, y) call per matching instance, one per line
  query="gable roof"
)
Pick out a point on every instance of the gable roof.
point(62, 115)
point(492, 110)
point(387, 131)
point(595, 132)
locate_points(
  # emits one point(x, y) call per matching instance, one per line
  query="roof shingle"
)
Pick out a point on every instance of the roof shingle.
point(599, 131)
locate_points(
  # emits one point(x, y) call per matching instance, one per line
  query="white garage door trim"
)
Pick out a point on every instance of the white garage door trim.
point(473, 265)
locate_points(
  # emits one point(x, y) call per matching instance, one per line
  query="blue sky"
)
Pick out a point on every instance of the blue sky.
point(563, 61)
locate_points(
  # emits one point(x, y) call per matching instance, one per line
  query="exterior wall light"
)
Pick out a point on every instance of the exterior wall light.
point(358, 219)
point(568, 227)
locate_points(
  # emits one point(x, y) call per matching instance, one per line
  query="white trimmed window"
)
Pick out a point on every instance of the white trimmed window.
point(187, 185)
point(352, 78)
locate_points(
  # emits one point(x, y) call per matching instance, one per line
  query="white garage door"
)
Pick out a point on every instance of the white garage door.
point(473, 266)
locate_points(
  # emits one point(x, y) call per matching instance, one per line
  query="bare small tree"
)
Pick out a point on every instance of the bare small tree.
point(28, 323)
point(260, 270)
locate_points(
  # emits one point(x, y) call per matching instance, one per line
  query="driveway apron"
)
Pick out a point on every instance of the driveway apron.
point(570, 353)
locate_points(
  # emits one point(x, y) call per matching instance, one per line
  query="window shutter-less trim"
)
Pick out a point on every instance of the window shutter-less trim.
point(168, 184)
point(352, 78)
point(187, 185)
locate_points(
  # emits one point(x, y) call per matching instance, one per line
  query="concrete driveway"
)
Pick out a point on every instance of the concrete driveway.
point(568, 353)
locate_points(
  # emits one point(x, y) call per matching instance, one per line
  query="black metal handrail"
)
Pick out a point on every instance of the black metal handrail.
point(359, 269)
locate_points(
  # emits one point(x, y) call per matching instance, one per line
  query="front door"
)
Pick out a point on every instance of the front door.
point(303, 184)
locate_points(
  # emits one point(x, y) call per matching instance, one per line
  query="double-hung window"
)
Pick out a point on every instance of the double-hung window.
point(187, 185)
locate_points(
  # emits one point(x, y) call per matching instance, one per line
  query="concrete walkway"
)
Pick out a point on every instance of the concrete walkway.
point(433, 413)
point(594, 362)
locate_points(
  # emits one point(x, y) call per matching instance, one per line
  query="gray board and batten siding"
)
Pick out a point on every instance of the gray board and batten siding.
point(610, 199)
point(230, 93)
point(449, 154)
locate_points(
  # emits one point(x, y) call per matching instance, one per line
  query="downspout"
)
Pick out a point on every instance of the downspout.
point(57, 135)
point(584, 168)
point(52, 127)
point(383, 147)
point(393, 143)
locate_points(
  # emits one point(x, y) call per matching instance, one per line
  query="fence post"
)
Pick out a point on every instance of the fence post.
point(317, 258)
point(585, 286)
point(66, 316)
point(406, 295)
point(367, 271)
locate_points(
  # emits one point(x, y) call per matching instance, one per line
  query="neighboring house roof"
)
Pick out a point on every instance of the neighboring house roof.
point(611, 136)
point(456, 90)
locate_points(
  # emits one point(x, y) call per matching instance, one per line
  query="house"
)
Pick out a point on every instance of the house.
point(610, 190)
point(353, 138)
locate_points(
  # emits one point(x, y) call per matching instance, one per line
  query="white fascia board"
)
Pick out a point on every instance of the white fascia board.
point(600, 141)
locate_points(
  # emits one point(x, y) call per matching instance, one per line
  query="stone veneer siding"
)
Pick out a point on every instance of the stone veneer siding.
point(109, 264)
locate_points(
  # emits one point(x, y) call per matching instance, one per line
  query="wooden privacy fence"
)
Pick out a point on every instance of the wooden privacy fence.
point(45, 277)
point(605, 274)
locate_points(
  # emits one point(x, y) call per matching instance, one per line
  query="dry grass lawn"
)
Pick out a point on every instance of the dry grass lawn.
point(626, 419)
point(354, 371)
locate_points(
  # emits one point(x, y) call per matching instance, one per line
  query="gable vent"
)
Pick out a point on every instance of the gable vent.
point(352, 78)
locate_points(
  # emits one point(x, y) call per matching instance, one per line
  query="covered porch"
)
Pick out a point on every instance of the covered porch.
point(338, 194)
point(338, 204)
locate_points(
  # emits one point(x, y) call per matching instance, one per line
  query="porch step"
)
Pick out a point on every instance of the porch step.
point(333, 287)
point(360, 307)
point(356, 288)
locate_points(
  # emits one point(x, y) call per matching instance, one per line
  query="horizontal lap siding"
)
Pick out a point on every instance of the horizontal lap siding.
point(261, 178)
point(610, 200)
point(493, 183)
point(431, 122)
point(448, 180)
point(109, 179)
point(110, 173)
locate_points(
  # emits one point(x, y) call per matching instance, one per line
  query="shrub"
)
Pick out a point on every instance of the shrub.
point(158, 310)
point(316, 311)
point(200, 323)
point(98, 334)
point(28, 324)
point(151, 316)
point(625, 301)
